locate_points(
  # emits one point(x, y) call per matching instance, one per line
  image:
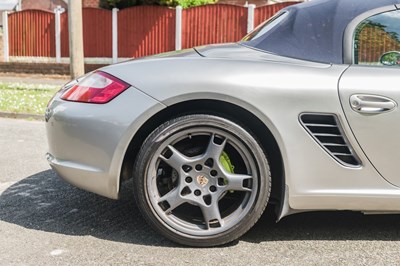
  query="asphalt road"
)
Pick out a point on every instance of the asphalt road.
point(45, 221)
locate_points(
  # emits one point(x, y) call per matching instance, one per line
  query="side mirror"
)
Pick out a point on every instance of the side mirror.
point(390, 58)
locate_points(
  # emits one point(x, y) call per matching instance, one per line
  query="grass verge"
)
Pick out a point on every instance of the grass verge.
point(25, 98)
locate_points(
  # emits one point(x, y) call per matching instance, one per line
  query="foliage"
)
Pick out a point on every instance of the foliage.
point(120, 4)
point(391, 58)
point(186, 3)
point(25, 98)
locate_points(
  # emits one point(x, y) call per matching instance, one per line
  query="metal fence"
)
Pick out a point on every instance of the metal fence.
point(109, 36)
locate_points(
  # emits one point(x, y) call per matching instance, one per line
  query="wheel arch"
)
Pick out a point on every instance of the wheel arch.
point(227, 110)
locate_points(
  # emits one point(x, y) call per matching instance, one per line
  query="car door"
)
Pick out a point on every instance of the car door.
point(370, 91)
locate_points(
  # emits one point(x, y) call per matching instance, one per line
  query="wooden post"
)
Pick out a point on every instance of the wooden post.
point(77, 67)
point(115, 35)
point(57, 12)
point(250, 17)
point(178, 28)
point(5, 37)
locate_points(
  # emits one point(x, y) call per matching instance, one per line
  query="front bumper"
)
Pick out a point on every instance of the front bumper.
point(87, 142)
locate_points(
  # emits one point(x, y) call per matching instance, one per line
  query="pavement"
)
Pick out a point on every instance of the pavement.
point(45, 221)
point(56, 80)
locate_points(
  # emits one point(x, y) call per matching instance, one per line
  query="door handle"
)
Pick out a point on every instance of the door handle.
point(371, 104)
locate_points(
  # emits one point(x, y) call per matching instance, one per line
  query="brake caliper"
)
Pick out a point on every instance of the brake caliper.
point(227, 164)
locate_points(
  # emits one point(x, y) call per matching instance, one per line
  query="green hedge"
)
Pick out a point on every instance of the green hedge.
point(120, 4)
point(186, 3)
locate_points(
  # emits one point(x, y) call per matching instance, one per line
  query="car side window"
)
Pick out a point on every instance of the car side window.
point(377, 40)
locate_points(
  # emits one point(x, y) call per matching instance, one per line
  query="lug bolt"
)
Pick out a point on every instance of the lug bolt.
point(213, 173)
point(186, 168)
point(198, 167)
point(188, 179)
point(197, 192)
point(213, 189)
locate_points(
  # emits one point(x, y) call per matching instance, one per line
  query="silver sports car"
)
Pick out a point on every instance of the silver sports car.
point(302, 114)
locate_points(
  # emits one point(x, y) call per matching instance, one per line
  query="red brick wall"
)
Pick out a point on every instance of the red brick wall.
point(48, 5)
point(90, 3)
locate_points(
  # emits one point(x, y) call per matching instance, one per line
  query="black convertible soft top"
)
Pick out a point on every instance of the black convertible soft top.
point(314, 30)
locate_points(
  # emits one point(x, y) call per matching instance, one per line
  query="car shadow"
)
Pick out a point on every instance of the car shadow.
point(44, 202)
point(335, 226)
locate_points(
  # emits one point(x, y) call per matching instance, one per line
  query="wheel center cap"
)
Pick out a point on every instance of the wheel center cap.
point(202, 180)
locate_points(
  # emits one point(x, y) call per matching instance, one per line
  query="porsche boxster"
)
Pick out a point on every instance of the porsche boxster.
point(301, 114)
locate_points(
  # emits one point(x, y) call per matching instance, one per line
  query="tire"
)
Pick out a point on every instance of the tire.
point(201, 180)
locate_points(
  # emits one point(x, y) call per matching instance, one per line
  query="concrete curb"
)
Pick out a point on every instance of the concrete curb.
point(21, 116)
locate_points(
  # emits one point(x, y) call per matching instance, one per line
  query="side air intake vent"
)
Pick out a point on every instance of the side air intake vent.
point(327, 131)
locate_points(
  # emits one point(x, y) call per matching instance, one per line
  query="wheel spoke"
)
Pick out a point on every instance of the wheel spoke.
point(176, 160)
point(236, 182)
point(214, 150)
point(212, 214)
point(173, 198)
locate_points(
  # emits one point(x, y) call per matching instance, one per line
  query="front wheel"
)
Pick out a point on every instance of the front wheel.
point(201, 180)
